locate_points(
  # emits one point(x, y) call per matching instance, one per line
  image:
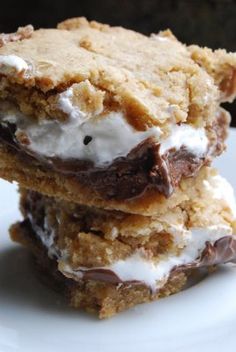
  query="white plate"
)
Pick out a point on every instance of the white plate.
point(33, 318)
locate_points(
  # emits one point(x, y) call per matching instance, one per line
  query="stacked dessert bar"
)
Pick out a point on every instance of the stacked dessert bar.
point(110, 135)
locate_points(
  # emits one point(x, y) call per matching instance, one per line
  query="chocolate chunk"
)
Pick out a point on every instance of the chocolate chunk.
point(87, 140)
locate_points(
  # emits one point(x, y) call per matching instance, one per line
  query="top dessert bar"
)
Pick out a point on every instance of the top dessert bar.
point(108, 117)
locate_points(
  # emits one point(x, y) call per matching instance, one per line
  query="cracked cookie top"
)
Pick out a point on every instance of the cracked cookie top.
point(155, 80)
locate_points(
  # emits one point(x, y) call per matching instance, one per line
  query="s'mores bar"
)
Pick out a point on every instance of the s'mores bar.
point(110, 135)
point(107, 261)
point(108, 117)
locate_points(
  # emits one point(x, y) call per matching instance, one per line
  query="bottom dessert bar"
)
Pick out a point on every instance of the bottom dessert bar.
point(103, 298)
point(108, 261)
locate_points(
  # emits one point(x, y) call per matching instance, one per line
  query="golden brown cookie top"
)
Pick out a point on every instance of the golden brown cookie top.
point(153, 79)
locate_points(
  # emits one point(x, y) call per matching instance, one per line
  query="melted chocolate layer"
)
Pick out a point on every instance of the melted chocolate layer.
point(127, 177)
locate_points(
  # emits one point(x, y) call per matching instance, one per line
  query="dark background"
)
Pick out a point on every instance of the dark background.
point(205, 22)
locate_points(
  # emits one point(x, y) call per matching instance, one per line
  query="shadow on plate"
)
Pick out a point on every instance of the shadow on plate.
point(20, 286)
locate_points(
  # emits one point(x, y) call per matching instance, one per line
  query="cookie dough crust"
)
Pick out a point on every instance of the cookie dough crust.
point(153, 79)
